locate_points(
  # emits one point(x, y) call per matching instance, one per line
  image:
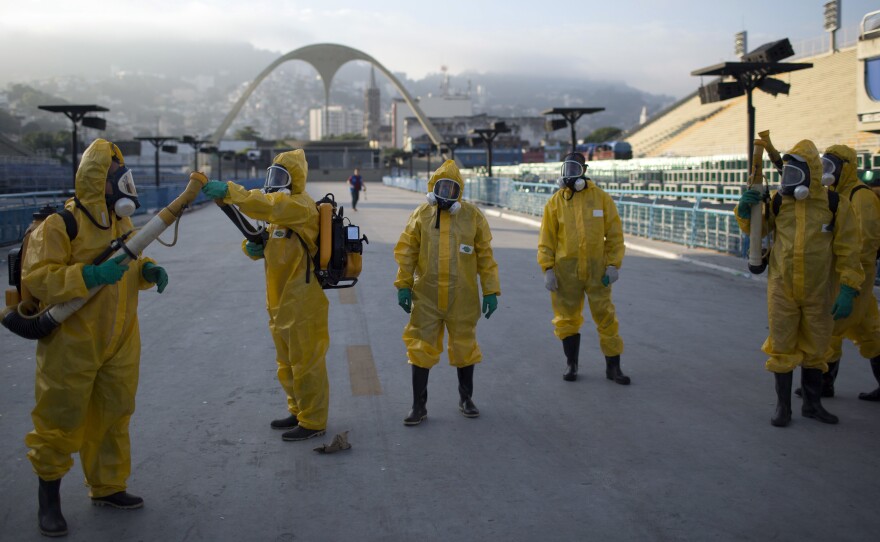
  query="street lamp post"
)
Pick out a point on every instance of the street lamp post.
point(488, 135)
point(570, 116)
point(77, 114)
point(196, 145)
point(159, 143)
point(453, 143)
point(753, 73)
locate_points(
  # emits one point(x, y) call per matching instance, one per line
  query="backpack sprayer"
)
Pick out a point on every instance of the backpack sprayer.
point(339, 259)
point(37, 326)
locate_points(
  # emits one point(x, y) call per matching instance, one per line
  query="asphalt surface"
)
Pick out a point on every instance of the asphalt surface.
point(684, 453)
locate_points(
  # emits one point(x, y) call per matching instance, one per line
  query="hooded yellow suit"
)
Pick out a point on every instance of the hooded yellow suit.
point(579, 238)
point(441, 265)
point(862, 326)
point(87, 369)
point(804, 261)
point(297, 309)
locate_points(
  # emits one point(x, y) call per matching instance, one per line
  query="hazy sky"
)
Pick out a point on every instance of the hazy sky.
point(652, 45)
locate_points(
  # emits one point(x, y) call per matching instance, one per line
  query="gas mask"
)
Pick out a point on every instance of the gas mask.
point(795, 177)
point(831, 169)
point(573, 174)
point(277, 180)
point(123, 196)
point(445, 195)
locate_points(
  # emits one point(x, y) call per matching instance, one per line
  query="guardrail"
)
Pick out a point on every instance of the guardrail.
point(690, 219)
point(16, 210)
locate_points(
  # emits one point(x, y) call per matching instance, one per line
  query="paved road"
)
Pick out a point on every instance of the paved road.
point(685, 453)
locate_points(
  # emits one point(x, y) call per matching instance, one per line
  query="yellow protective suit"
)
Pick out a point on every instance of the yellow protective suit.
point(804, 261)
point(579, 238)
point(87, 369)
point(297, 309)
point(862, 326)
point(441, 265)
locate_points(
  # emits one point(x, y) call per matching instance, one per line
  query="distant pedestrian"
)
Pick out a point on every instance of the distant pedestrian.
point(356, 184)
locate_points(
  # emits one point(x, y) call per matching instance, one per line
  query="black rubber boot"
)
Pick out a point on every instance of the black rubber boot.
point(613, 372)
point(828, 380)
point(301, 433)
point(782, 417)
point(571, 345)
point(121, 500)
point(465, 392)
point(51, 522)
point(811, 382)
point(420, 396)
point(873, 395)
point(284, 423)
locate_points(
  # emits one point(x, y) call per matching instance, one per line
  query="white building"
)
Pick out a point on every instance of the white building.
point(339, 121)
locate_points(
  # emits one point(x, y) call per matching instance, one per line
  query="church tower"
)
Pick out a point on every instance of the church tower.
point(372, 113)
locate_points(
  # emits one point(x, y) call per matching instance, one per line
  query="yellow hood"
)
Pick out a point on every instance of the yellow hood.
point(807, 150)
point(849, 177)
point(447, 170)
point(295, 164)
point(91, 177)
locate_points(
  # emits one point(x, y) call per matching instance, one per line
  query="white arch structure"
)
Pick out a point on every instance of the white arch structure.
point(327, 58)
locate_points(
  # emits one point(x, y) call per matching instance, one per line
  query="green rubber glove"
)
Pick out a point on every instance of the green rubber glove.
point(749, 198)
point(156, 275)
point(109, 272)
point(215, 189)
point(254, 250)
point(843, 305)
point(490, 303)
point(404, 299)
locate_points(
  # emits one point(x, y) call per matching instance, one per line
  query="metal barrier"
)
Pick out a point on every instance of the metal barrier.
point(16, 210)
point(693, 220)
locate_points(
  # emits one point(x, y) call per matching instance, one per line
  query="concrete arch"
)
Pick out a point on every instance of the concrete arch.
point(327, 58)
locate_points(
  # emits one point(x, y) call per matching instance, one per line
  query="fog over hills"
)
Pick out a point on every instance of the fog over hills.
point(176, 87)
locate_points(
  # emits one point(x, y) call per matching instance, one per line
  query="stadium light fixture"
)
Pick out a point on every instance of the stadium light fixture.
point(753, 72)
point(159, 143)
point(77, 114)
point(570, 115)
point(488, 135)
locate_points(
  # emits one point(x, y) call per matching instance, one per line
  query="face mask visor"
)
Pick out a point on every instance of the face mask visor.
point(572, 170)
point(447, 192)
point(277, 178)
point(125, 182)
point(795, 173)
point(832, 166)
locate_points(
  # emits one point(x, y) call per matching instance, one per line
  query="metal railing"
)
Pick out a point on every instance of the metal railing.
point(690, 219)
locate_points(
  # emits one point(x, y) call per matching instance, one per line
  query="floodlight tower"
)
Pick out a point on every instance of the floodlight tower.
point(753, 72)
point(570, 116)
point(77, 114)
point(488, 135)
point(196, 144)
point(159, 143)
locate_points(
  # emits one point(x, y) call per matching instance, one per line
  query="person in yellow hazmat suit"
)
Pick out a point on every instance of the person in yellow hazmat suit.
point(87, 369)
point(862, 326)
point(297, 306)
point(580, 250)
point(445, 245)
point(814, 245)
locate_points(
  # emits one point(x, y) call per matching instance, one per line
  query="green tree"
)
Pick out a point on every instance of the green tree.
point(606, 133)
point(54, 144)
point(248, 133)
point(344, 137)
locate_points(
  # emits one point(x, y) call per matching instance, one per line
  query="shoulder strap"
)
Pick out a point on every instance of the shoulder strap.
point(69, 223)
point(776, 203)
point(833, 202)
point(856, 189)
